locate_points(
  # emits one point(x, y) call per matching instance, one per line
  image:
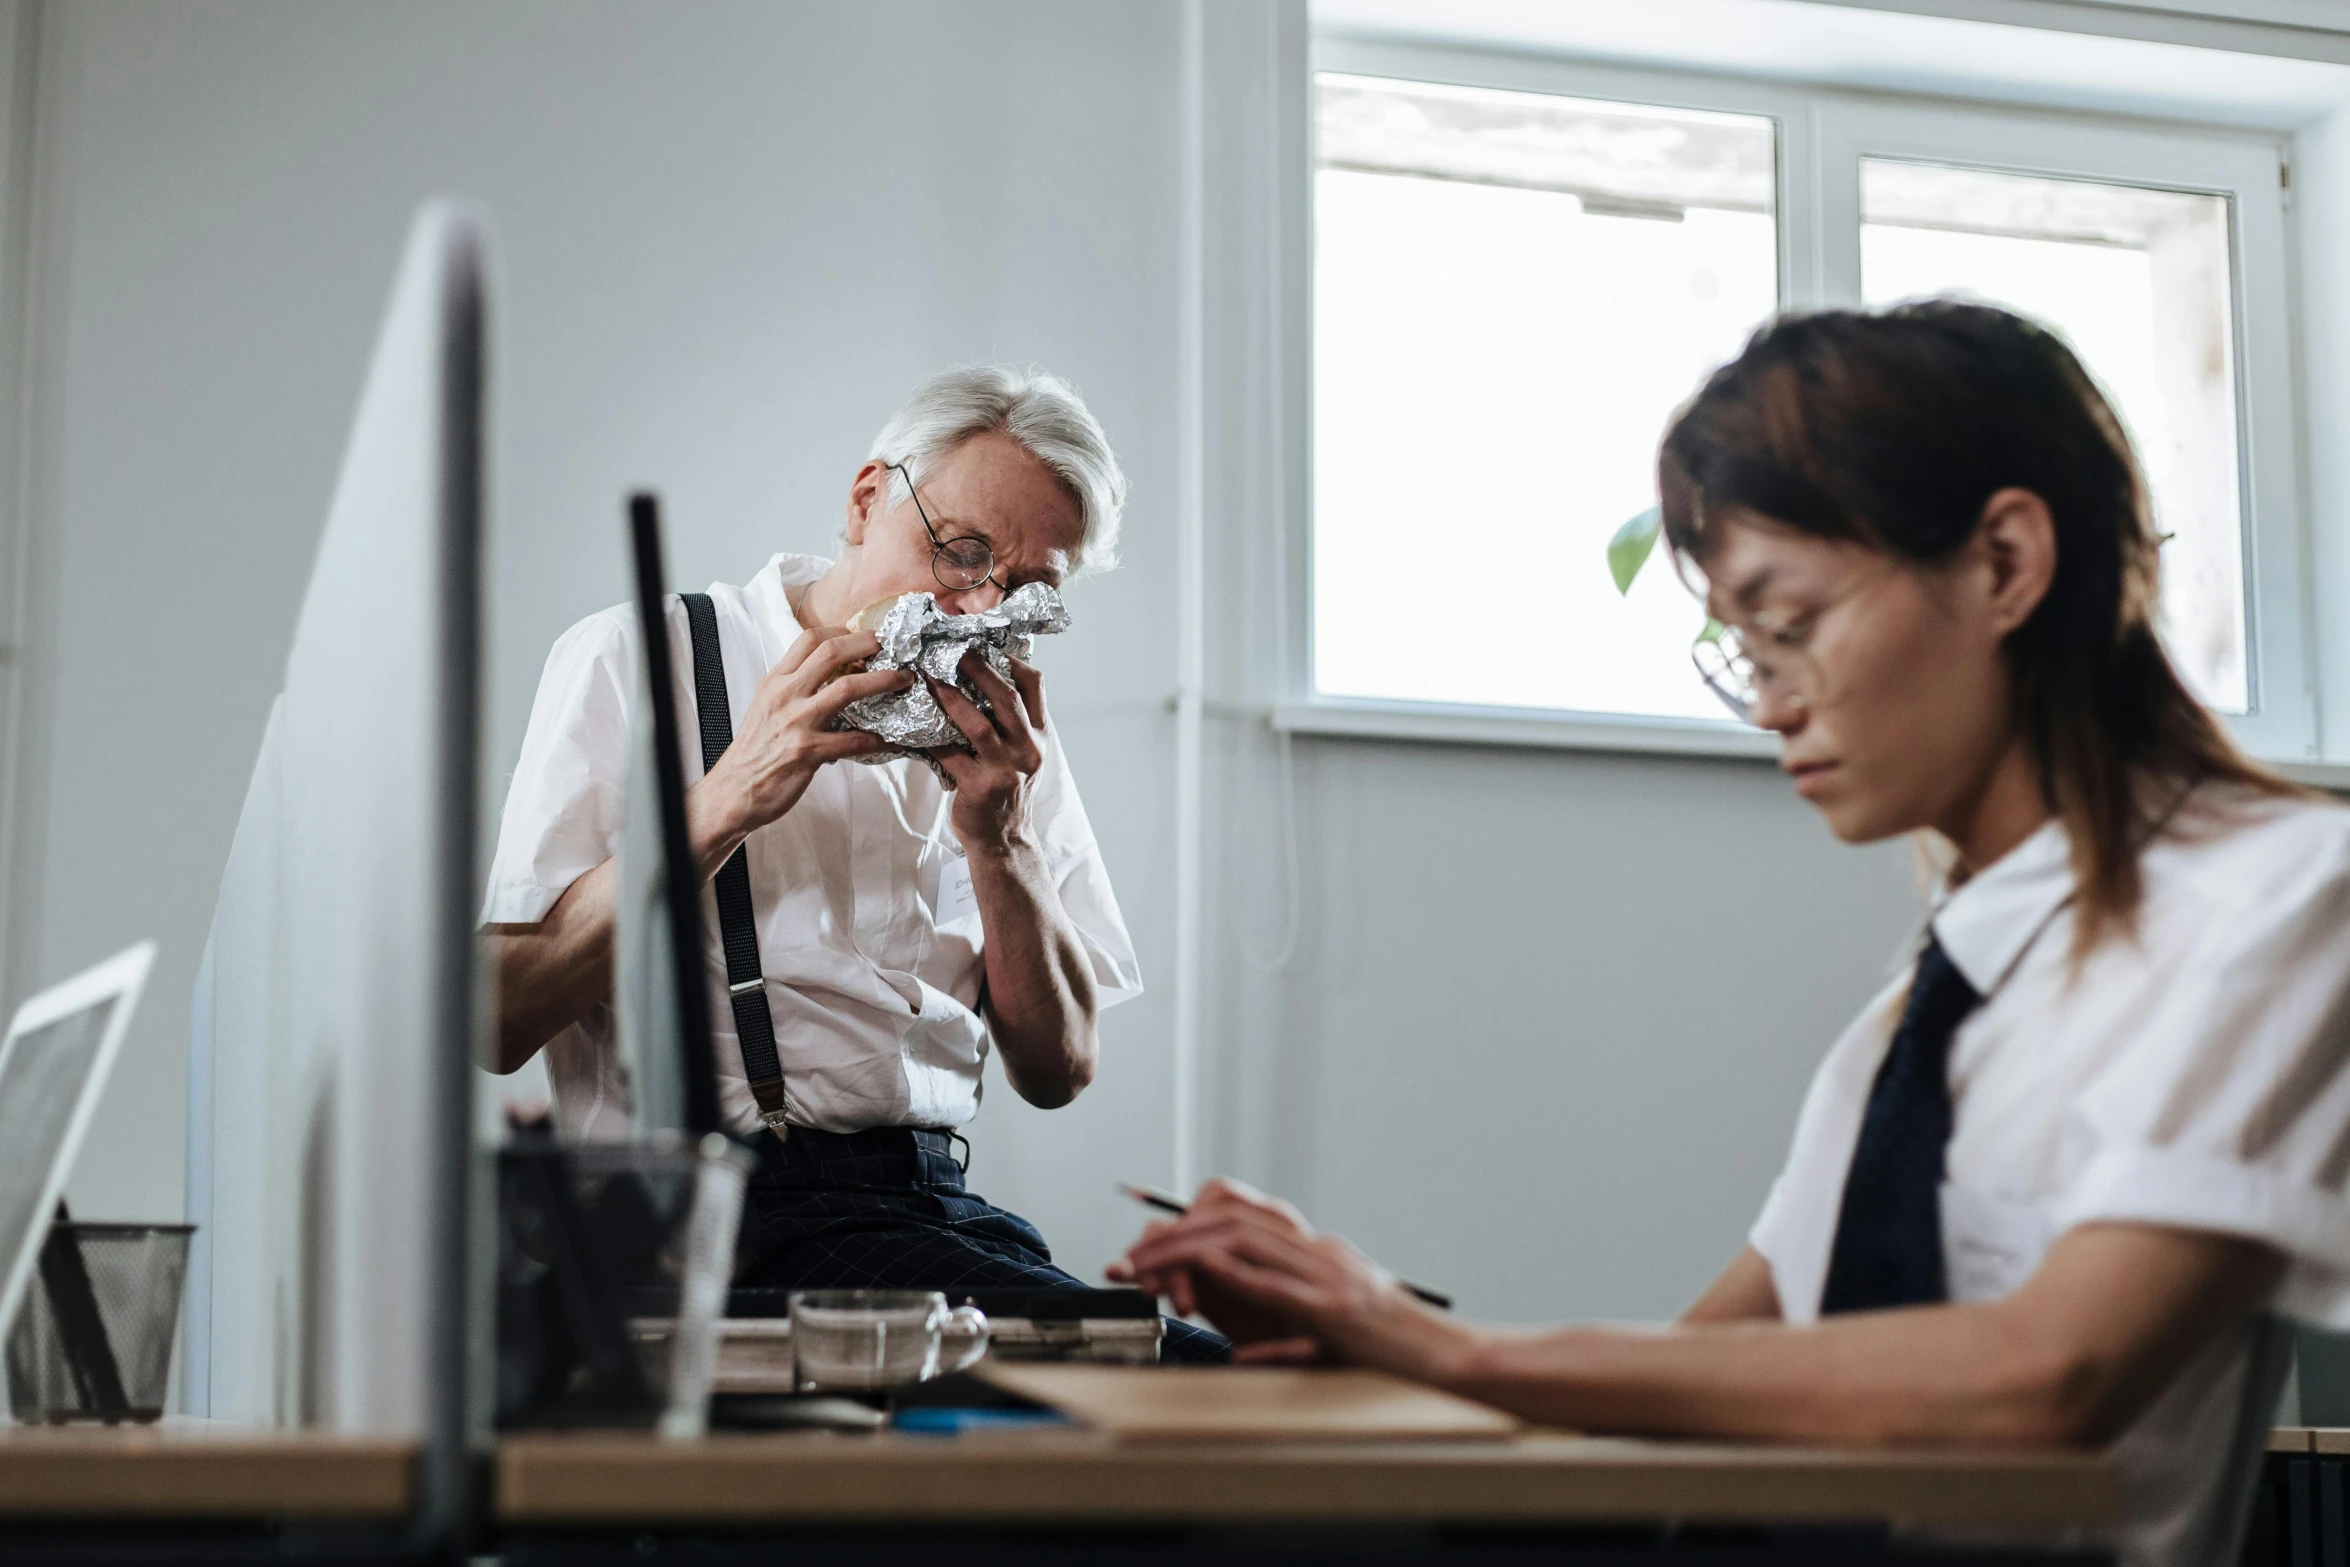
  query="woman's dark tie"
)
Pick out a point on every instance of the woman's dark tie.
point(1888, 1248)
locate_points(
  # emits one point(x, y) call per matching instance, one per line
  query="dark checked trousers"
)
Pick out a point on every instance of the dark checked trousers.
point(887, 1209)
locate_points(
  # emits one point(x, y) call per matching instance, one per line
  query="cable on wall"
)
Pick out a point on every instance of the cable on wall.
point(1293, 891)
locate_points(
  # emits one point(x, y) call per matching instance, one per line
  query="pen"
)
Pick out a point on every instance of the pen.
point(1151, 1198)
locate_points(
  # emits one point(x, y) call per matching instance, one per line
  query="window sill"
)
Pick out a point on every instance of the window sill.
point(2334, 777)
point(1543, 729)
point(1365, 718)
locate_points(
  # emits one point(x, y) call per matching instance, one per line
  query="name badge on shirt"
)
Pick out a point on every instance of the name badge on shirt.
point(956, 900)
point(1990, 1245)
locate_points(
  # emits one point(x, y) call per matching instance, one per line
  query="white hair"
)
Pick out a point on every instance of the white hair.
point(1034, 407)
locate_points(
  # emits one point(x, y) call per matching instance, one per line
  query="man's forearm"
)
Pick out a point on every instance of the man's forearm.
point(1934, 1375)
point(550, 974)
point(717, 820)
point(2071, 1358)
point(1745, 1292)
point(1040, 992)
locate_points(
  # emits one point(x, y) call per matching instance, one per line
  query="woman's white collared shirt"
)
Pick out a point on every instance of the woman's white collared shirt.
point(2196, 1075)
point(869, 947)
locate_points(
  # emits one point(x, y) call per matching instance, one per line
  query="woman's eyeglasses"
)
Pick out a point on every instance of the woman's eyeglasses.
point(960, 563)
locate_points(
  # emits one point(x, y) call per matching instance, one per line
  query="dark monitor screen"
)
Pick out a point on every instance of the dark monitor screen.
point(681, 888)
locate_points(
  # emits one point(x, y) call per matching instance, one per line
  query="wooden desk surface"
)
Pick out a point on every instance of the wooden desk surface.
point(204, 1470)
point(727, 1479)
point(201, 1469)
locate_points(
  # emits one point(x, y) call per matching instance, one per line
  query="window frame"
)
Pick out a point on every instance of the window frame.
point(1823, 134)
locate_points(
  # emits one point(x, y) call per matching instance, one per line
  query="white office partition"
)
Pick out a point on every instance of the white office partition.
point(228, 1361)
point(333, 1046)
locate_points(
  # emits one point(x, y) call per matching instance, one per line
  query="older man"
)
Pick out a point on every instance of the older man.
point(901, 927)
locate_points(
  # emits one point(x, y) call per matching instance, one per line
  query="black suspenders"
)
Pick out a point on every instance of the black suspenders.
point(754, 1026)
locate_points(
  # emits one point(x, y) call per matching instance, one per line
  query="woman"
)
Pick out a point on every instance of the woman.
point(2056, 1185)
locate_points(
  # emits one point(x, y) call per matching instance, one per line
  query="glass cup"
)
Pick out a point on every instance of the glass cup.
point(869, 1341)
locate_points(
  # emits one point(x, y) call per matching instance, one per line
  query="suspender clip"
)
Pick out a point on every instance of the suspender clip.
point(743, 987)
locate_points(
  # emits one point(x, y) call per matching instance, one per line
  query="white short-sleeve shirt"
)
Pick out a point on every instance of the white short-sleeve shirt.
point(2195, 1074)
point(875, 998)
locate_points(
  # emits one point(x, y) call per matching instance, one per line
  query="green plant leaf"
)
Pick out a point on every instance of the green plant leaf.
point(1629, 550)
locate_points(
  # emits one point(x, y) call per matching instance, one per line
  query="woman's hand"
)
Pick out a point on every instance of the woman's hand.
point(1281, 1290)
point(1007, 747)
point(786, 734)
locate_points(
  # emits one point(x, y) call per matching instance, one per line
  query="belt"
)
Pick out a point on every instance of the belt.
point(880, 1156)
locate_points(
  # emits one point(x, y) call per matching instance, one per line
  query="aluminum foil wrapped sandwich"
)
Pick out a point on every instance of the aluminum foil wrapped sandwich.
point(916, 634)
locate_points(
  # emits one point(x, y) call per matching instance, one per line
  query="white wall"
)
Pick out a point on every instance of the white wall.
point(1551, 1015)
point(731, 237)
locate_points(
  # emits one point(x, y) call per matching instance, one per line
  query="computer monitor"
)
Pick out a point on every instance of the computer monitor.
point(662, 991)
point(331, 1057)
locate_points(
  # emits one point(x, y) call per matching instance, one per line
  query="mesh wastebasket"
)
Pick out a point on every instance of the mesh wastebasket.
point(94, 1343)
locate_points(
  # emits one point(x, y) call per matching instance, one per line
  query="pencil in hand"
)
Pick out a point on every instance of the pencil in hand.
point(1151, 1197)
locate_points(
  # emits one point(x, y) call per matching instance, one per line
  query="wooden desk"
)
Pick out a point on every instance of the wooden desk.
point(201, 1470)
point(729, 1481)
point(607, 1480)
point(2310, 1439)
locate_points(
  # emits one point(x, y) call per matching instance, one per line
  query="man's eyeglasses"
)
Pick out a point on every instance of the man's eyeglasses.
point(1729, 673)
point(1771, 654)
point(960, 563)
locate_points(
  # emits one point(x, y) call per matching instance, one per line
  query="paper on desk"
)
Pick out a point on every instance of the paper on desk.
point(1250, 1403)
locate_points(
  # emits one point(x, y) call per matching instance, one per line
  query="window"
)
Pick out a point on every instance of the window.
point(1511, 293)
point(2139, 282)
point(1522, 267)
